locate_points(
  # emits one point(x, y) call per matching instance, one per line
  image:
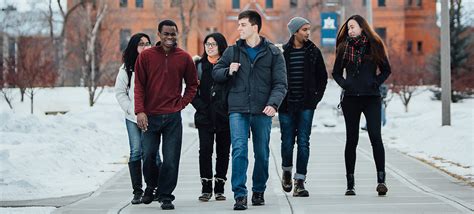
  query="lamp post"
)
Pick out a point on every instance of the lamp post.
point(445, 65)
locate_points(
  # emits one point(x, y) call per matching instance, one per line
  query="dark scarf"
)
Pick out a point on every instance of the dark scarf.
point(355, 48)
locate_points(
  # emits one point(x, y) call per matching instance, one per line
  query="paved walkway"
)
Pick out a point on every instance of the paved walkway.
point(414, 187)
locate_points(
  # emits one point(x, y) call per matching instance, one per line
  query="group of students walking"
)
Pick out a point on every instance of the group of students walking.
point(236, 91)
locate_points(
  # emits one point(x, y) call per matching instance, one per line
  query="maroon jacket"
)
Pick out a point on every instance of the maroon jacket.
point(159, 81)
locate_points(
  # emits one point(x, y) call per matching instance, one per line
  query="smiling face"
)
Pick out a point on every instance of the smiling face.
point(143, 44)
point(211, 47)
point(168, 36)
point(353, 28)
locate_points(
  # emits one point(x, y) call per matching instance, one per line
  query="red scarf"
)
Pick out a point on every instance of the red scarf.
point(355, 48)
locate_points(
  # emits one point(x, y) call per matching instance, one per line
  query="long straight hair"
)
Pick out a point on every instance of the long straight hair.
point(221, 43)
point(130, 54)
point(378, 51)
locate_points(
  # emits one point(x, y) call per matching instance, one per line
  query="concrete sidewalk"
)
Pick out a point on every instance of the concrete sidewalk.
point(414, 187)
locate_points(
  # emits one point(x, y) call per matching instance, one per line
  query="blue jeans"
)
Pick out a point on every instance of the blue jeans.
point(240, 126)
point(134, 140)
point(296, 125)
point(169, 127)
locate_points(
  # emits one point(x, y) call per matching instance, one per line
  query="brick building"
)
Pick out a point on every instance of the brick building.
point(407, 26)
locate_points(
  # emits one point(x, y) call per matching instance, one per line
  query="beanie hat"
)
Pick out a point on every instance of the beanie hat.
point(295, 24)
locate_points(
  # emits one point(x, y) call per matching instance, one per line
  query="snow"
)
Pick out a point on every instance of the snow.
point(51, 156)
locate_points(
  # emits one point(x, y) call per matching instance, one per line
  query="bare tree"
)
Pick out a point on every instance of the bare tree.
point(186, 16)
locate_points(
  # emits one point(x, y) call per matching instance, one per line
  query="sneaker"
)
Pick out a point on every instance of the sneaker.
point(205, 196)
point(299, 190)
point(137, 198)
point(167, 205)
point(240, 203)
point(220, 197)
point(286, 181)
point(257, 199)
point(148, 196)
point(382, 189)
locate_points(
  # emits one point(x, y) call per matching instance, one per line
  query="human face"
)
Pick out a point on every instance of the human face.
point(246, 29)
point(168, 36)
point(302, 35)
point(354, 29)
point(143, 44)
point(211, 47)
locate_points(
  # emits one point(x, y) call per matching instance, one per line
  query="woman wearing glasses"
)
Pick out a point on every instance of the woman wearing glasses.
point(210, 123)
point(124, 86)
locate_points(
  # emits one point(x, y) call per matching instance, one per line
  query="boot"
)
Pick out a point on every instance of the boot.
point(286, 181)
point(299, 190)
point(135, 168)
point(206, 192)
point(381, 187)
point(219, 189)
point(350, 184)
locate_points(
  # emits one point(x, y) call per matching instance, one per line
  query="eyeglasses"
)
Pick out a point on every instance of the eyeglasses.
point(142, 44)
point(210, 44)
point(169, 34)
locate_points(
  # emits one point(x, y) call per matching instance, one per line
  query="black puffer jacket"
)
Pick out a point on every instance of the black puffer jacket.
point(362, 80)
point(255, 85)
point(315, 75)
point(206, 116)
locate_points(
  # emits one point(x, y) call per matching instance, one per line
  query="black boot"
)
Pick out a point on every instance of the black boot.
point(135, 168)
point(299, 190)
point(350, 184)
point(206, 192)
point(381, 187)
point(219, 188)
point(286, 183)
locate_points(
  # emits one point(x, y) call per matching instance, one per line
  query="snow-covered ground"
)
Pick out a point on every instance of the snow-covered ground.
point(51, 156)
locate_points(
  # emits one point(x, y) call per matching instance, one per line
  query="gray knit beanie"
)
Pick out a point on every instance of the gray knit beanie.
point(295, 24)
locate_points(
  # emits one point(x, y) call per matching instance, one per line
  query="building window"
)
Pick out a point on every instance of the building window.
point(381, 3)
point(409, 3)
point(269, 4)
point(211, 4)
point(139, 3)
point(382, 32)
point(123, 3)
point(159, 3)
point(152, 33)
point(11, 47)
point(125, 35)
point(419, 3)
point(419, 46)
point(293, 3)
point(175, 3)
point(409, 46)
point(235, 4)
point(364, 3)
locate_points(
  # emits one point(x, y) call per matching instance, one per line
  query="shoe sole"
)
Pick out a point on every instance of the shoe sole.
point(240, 208)
point(350, 193)
point(301, 195)
point(258, 204)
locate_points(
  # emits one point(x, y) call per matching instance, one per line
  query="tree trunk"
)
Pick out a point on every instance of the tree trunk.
point(22, 94)
point(31, 101)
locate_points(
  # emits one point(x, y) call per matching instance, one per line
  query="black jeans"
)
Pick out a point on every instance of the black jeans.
point(169, 127)
point(206, 147)
point(352, 107)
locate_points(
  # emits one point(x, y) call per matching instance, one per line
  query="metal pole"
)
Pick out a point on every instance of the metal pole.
point(368, 4)
point(445, 65)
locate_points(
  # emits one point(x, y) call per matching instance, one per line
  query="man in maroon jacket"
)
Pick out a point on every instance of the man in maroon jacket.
point(160, 71)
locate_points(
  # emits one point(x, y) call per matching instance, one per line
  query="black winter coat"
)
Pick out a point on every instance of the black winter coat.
point(362, 80)
point(315, 75)
point(206, 116)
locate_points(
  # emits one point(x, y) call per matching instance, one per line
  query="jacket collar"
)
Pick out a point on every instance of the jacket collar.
point(306, 45)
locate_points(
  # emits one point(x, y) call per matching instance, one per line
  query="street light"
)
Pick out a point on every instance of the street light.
point(445, 65)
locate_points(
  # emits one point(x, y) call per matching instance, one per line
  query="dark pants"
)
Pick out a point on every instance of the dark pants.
point(169, 127)
point(206, 147)
point(352, 107)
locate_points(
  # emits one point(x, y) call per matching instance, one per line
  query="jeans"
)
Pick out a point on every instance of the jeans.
point(260, 125)
point(134, 140)
point(206, 148)
point(169, 127)
point(296, 125)
point(353, 107)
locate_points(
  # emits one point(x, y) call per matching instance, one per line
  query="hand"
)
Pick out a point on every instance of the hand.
point(234, 67)
point(142, 121)
point(269, 111)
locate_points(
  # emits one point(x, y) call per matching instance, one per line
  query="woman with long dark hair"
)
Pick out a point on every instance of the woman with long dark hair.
point(210, 122)
point(124, 86)
point(360, 52)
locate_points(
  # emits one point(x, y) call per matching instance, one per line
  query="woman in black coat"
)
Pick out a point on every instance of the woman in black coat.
point(211, 122)
point(360, 52)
